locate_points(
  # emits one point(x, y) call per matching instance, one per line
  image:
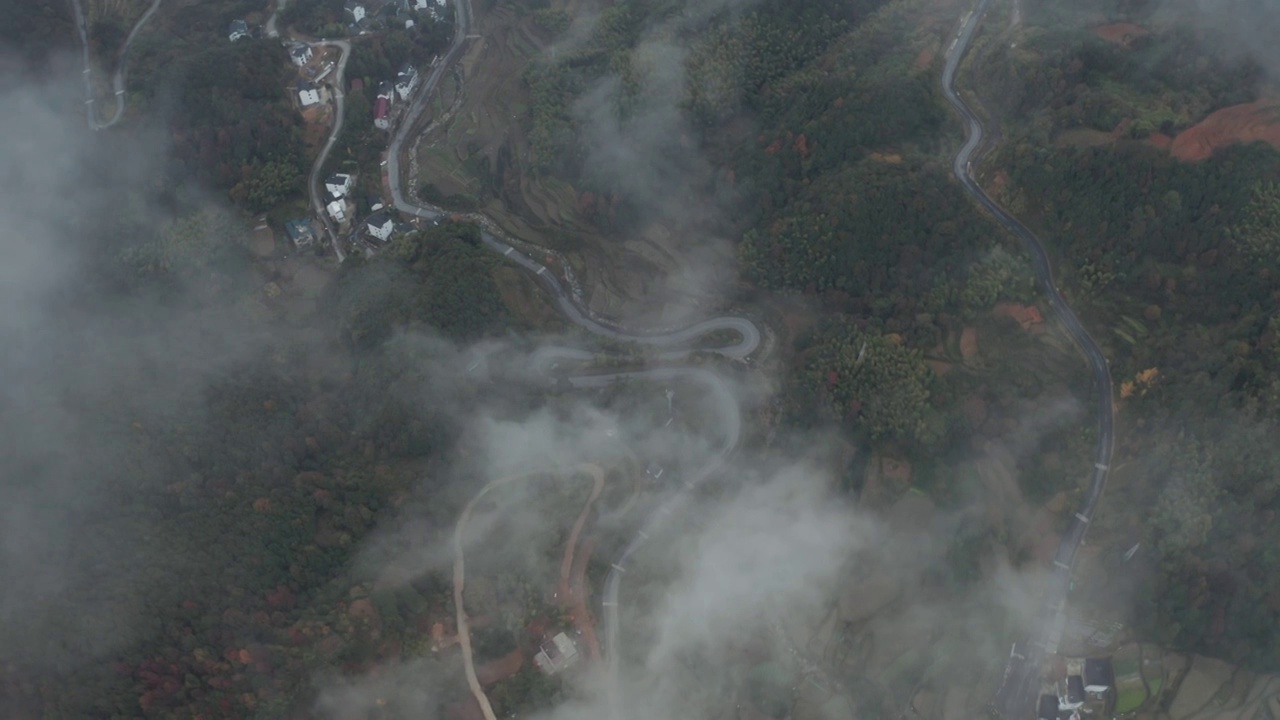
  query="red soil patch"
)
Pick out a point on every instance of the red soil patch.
point(925, 58)
point(1120, 33)
point(500, 669)
point(1028, 316)
point(467, 709)
point(998, 184)
point(969, 343)
point(1245, 123)
point(896, 470)
point(974, 410)
point(939, 367)
point(441, 641)
point(1160, 140)
point(582, 618)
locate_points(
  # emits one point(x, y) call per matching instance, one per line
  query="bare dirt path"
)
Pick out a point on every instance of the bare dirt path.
point(460, 572)
point(582, 617)
point(563, 591)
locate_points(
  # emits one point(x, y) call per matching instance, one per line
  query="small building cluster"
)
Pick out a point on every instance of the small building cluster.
point(390, 93)
point(362, 14)
point(406, 81)
point(338, 185)
point(1086, 690)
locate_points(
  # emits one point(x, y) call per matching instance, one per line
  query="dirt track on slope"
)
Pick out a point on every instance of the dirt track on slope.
point(459, 578)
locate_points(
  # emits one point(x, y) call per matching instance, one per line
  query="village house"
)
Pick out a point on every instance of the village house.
point(406, 81)
point(337, 210)
point(338, 184)
point(375, 203)
point(355, 11)
point(1073, 697)
point(239, 29)
point(556, 655)
point(1099, 677)
point(300, 232)
point(300, 54)
point(1047, 707)
point(380, 225)
point(308, 93)
point(382, 107)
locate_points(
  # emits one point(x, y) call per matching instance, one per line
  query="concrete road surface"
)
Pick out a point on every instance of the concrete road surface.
point(119, 77)
point(1017, 696)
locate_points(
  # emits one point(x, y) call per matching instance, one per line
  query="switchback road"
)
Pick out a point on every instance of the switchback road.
point(119, 77)
point(675, 343)
point(1016, 698)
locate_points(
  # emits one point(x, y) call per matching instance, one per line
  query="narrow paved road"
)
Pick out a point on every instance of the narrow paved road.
point(339, 110)
point(1017, 696)
point(270, 27)
point(121, 74)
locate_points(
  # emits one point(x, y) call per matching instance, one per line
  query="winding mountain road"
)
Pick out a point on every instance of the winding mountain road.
point(119, 77)
point(675, 343)
point(1017, 696)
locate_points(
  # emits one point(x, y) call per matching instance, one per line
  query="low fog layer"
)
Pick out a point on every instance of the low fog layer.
point(79, 374)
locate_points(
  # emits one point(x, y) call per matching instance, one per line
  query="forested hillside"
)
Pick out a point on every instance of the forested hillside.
point(220, 496)
point(1173, 266)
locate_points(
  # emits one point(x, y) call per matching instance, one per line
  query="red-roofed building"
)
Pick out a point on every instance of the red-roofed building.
point(382, 107)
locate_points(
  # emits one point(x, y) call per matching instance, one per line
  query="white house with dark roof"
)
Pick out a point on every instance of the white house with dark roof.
point(300, 54)
point(308, 93)
point(337, 210)
point(380, 225)
point(239, 29)
point(406, 81)
point(355, 11)
point(338, 184)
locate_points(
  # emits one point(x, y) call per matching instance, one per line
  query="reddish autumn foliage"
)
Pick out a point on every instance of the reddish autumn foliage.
point(802, 145)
